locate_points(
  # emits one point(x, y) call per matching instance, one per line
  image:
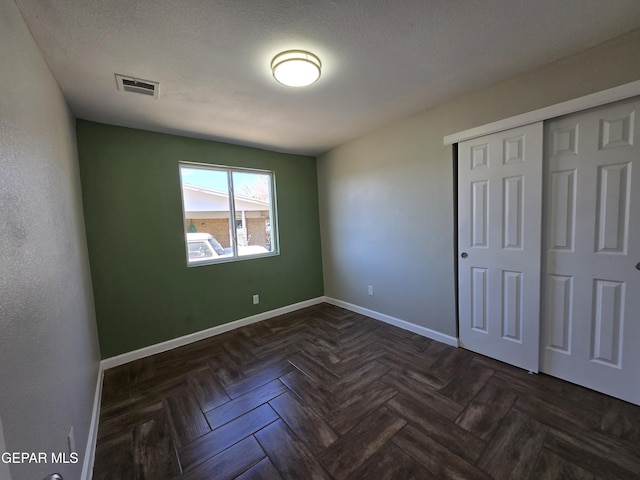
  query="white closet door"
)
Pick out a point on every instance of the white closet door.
point(591, 276)
point(499, 216)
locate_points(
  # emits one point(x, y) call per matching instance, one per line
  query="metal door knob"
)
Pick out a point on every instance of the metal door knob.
point(464, 254)
point(638, 266)
point(53, 476)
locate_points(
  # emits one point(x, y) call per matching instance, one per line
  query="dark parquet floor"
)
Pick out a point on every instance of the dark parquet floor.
point(324, 393)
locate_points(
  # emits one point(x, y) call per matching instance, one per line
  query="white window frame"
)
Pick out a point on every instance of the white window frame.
point(233, 231)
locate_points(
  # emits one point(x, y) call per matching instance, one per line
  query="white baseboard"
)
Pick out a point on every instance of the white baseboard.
point(412, 327)
point(90, 451)
point(210, 332)
point(201, 335)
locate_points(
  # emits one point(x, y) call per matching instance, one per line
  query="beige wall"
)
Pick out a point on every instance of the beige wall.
point(386, 199)
point(49, 354)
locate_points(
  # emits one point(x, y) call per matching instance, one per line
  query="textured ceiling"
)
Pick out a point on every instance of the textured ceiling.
point(382, 60)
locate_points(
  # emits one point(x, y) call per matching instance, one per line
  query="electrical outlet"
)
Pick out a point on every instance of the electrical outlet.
point(370, 290)
point(256, 299)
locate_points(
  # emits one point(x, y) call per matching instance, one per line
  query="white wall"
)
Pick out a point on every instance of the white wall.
point(49, 354)
point(386, 199)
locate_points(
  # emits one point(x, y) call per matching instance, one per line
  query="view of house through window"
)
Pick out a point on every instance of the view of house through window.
point(228, 213)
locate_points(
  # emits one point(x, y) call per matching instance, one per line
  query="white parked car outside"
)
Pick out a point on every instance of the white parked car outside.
point(203, 247)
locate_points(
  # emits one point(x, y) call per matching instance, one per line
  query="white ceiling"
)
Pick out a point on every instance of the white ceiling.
point(382, 59)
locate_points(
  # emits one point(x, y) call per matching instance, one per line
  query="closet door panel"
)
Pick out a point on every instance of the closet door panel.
point(499, 215)
point(591, 293)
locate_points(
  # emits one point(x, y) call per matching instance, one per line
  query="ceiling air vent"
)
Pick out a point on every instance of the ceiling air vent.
point(137, 85)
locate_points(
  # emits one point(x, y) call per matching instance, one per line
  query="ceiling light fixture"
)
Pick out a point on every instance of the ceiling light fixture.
point(296, 68)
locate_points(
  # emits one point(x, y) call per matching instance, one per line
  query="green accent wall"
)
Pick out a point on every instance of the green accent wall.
point(144, 292)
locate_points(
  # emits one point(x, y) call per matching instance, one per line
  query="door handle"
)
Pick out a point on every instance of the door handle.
point(53, 476)
point(638, 266)
point(465, 255)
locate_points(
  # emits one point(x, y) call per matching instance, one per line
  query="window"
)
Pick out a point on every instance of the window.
point(229, 213)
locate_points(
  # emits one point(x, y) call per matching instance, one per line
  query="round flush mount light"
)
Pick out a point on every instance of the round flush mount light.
point(296, 68)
